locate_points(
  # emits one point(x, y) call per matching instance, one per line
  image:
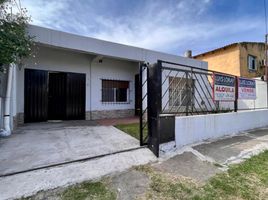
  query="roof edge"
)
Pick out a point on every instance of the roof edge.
point(225, 47)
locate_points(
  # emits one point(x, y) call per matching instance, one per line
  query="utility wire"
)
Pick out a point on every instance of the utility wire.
point(265, 14)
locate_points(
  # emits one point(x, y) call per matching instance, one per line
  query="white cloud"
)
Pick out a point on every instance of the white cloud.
point(46, 13)
point(160, 25)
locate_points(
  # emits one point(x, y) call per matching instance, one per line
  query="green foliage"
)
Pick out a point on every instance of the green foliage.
point(15, 43)
point(247, 180)
point(82, 191)
point(88, 190)
point(132, 129)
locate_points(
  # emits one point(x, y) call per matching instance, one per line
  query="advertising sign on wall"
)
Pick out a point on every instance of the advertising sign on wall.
point(224, 87)
point(246, 88)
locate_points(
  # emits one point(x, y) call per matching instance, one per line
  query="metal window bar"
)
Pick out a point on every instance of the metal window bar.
point(204, 93)
point(194, 96)
point(171, 94)
point(176, 100)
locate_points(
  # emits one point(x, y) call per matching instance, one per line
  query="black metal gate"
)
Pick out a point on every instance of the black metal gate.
point(53, 96)
point(153, 129)
point(172, 90)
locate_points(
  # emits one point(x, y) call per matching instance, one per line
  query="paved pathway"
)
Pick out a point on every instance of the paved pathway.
point(42, 144)
point(197, 162)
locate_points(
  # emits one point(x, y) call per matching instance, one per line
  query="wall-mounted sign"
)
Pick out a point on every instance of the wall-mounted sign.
point(246, 88)
point(223, 88)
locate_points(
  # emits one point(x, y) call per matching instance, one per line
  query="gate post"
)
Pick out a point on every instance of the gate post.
point(236, 94)
point(154, 90)
point(141, 103)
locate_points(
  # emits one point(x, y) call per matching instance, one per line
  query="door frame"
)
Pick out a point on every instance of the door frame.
point(138, 94)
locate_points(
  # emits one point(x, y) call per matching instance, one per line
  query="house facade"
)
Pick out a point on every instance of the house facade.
point(71, 77)
point(246, 59)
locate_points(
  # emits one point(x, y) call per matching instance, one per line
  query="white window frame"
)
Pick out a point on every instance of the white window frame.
point(252, 59)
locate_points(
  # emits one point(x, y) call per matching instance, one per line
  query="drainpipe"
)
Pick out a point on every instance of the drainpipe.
point(7, 128)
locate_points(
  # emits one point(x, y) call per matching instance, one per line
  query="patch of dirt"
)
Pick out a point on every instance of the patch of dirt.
point(130, 185)
point(188, 165)
point(47, 195)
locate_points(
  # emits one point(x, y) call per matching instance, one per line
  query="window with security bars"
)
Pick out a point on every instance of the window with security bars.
point(178, 93)
point(114, 91)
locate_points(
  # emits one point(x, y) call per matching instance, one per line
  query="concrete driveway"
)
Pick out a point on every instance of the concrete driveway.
point(42, 144)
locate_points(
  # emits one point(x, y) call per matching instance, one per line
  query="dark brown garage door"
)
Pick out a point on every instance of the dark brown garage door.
point(53, 95)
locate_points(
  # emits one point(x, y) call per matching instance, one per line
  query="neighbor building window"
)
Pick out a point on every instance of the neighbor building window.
point(114, 91)
point(178, 93)
point(252, 63)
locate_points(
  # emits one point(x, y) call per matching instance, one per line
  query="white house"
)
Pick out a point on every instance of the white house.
point(77, 77)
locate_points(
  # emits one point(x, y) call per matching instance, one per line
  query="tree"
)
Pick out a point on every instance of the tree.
point(15, 43)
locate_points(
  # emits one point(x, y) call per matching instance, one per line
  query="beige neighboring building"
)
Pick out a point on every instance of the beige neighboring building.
point(246, 59)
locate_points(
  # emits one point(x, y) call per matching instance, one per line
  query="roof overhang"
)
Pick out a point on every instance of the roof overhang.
point(63, 40)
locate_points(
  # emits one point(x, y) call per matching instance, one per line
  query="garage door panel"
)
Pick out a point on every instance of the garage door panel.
point(75, 98)
point(54, 95)
point(36, 95)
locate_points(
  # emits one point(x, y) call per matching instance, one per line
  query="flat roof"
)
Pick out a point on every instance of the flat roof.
point(225, 47)
point(60, 39)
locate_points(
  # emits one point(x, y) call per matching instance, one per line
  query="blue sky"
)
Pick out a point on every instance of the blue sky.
point(172, 26)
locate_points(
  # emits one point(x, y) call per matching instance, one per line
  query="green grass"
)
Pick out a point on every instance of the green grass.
point(87, 190)
point(82, 191)
point(132, 129)
point(248, 180)
point(164, 186)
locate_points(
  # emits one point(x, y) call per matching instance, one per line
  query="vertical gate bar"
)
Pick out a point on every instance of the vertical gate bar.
point(141, 103)
point(236, 94)
point(187, 92)
point(192, 91)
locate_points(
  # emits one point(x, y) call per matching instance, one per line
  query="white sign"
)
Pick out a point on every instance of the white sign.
point(223, 87)
point(246, 88)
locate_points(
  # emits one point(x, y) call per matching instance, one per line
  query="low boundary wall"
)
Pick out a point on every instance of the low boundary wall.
point(193, 129)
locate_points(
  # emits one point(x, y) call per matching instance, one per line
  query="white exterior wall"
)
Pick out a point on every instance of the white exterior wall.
point(66, 61)
point(193, 129)
point(64, 52)
point(260, 102)
point(1, 112)
point(89, 45)
point(114, 70)
point(54, 60)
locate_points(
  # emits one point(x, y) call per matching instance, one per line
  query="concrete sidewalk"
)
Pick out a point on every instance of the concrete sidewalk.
point(202, 161)
point(29, 183)
point(43, 144)
point(197, 162)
